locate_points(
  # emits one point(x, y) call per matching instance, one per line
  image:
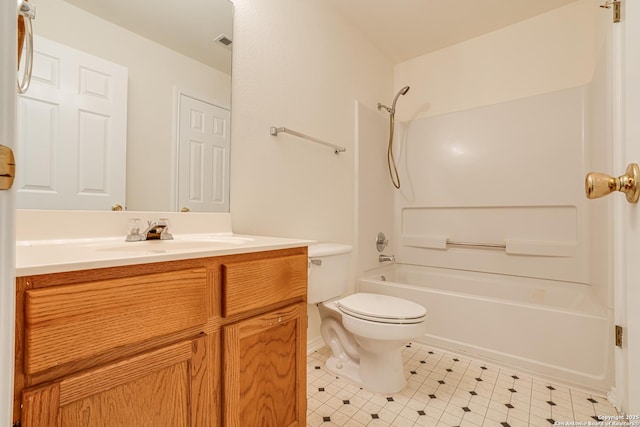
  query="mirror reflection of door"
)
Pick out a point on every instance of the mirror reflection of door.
point(203, 155)
point(72, 131)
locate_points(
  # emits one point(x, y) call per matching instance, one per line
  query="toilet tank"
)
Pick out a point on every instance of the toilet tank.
point(328, 271)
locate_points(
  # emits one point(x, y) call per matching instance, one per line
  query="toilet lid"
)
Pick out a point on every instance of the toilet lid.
point(382, 308)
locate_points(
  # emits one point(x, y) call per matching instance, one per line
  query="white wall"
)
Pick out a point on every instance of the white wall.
point(154, 72)
point(598, 155)
point(375, 191)
point(296, 64)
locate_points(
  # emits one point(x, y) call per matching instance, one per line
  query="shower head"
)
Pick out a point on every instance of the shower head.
point(392, 110)
point(402, 91)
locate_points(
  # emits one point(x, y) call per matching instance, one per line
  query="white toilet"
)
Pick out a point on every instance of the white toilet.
point(366, 332)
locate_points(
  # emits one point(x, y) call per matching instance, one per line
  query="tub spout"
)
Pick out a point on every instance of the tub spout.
point(385, 258)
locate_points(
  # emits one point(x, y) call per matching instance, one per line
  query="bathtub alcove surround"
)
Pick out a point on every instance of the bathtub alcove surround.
point(530, 297)
point(523, 290)
point(493, 143)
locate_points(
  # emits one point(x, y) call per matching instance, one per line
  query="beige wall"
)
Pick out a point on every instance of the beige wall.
point(154, 72)
point(298, 65)
point(546, 53)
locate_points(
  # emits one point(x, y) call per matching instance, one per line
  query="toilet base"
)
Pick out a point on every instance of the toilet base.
point(368, 373)
point(382, 372)
point(347, 369)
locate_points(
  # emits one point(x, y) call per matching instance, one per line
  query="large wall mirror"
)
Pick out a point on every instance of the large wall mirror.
point(167, 68)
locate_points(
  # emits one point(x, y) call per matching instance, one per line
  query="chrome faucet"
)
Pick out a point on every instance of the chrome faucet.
point(385, 258)
point(156, 230)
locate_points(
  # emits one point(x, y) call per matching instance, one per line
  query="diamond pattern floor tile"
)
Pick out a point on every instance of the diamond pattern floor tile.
point(447, 390)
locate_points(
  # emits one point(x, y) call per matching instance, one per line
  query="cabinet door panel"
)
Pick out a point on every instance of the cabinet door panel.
point(164, 387)
point(165, 399)
point(265, 370)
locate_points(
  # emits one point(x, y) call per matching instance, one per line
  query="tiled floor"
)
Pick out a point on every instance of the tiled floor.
point(447, 390)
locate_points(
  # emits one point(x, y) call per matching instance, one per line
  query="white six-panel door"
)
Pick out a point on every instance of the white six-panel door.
point(203, 155)
point(72, 131)
point(628, 233)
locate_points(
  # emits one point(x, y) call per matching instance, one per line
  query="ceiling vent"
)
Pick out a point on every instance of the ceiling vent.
point(224, 40)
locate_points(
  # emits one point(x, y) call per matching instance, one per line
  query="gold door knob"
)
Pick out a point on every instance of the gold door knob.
point(116, 207)
point(7, 168)
point(600, 184)
point(185, 209)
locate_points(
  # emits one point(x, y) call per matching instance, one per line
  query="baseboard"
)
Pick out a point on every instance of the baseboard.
point(614, 399)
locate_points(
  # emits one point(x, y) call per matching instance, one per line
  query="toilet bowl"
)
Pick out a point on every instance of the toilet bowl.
point(365, 332)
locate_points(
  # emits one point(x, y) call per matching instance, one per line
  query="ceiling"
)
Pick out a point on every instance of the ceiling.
point(401, 29)
point(405, 29)
point(187, 27)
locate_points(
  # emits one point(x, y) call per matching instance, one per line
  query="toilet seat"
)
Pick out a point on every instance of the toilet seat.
point(382, 308)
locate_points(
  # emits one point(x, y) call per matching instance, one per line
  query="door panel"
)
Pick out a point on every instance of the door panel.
point(203, 155)
point(629, 233)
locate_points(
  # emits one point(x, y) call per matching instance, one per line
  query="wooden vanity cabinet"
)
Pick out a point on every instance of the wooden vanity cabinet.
point(201, 342)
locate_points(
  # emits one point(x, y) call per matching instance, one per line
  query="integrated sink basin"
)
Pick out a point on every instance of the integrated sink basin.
point(57, 251)
point(158, 246)
point(63, 241)
point(198, 242)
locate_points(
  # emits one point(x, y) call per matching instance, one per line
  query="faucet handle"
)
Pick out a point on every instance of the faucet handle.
point(164, 234)
point(381, 242)
point(135, 228)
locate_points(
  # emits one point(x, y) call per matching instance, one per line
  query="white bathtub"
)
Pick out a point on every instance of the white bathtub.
point(554, 329)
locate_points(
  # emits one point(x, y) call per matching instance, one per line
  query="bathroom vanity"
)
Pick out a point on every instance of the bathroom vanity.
point(208, 337)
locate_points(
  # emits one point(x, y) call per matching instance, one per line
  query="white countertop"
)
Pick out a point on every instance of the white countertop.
point(51, 256)
point(59, 241)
